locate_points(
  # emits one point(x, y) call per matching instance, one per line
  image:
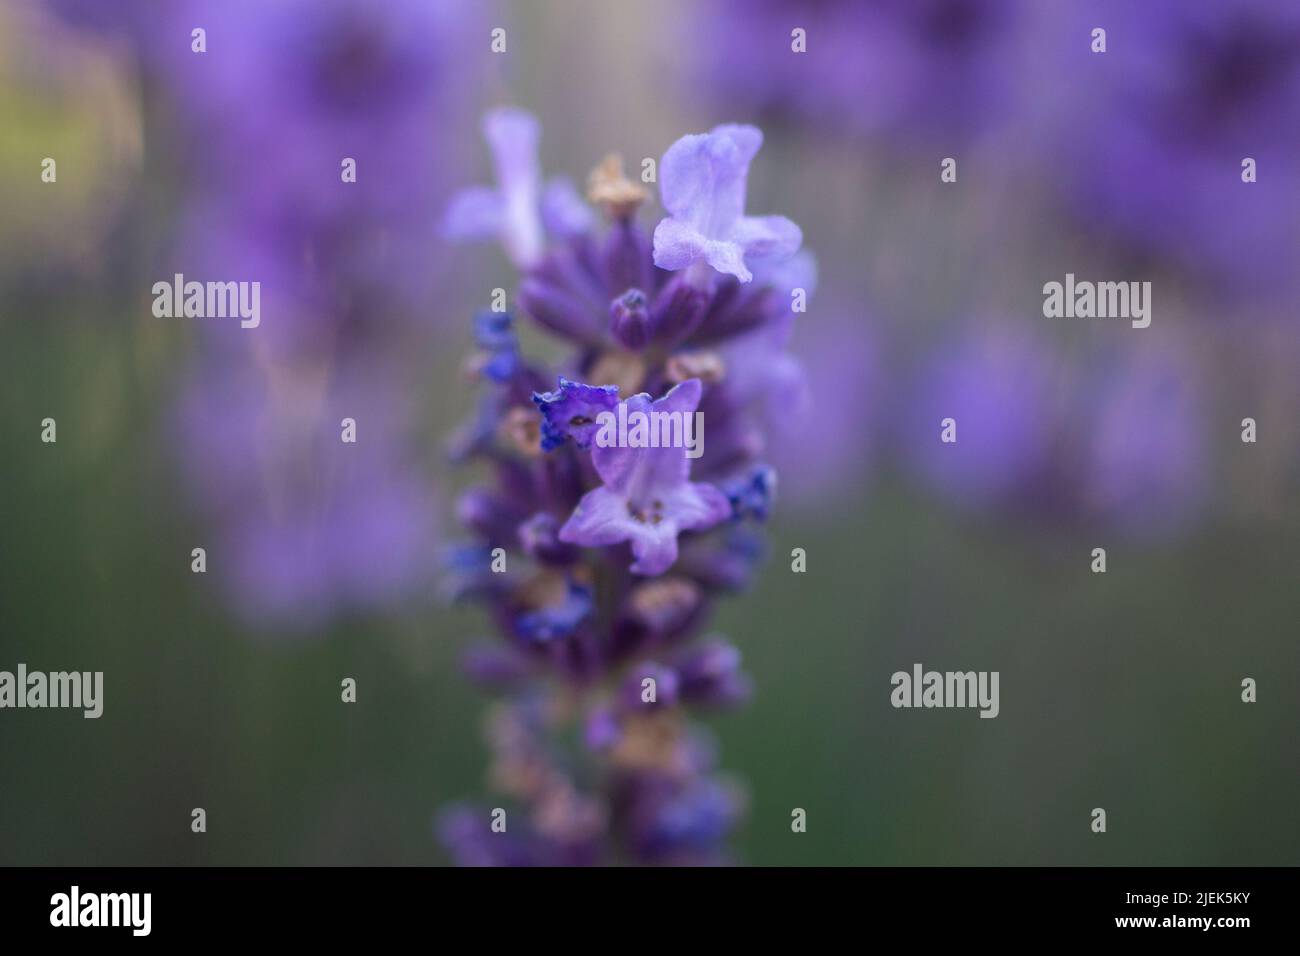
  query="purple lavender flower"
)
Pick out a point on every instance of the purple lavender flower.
point(571, 412)
point(704, 192)
point(647, 498)
point(616, 553)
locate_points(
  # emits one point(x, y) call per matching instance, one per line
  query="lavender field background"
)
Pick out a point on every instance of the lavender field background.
point(1119, 690)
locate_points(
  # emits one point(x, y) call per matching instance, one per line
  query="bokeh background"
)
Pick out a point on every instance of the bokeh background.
point(1119, 691)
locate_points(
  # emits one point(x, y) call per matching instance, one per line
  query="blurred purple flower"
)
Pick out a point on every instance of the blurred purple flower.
point(1144, 467)
point(270, 122)
point(518, 208)
point(710, 675)
point(996, 386)
point(1151, 135)
point(841, 369)
point(329, 84)
point(910, 69)
point(512, 211)
point(302, 524)
point(1112, 439)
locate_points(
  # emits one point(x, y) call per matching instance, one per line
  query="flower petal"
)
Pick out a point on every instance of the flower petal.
point(646, 498)
point(785, 274)
point(703, 177)
point(571, 411)
point(600, 519)
point(646, 473)
point(677, 244)
point(727, 258)
point(654, 548)
point(512, 135)
point(563, 211)
point(696, 506)
point(683, 397)
point(475, 213)
point(767, 237)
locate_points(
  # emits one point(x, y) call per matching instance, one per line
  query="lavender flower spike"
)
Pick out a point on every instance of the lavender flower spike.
point(595, 773)
point(703, 180)
point(512, 211)
point(647, 497)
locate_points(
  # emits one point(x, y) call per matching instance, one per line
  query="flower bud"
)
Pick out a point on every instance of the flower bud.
point(539, 537)
point(629, 319)
point(678, 310)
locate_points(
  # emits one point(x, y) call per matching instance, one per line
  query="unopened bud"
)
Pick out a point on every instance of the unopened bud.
point(629, 319)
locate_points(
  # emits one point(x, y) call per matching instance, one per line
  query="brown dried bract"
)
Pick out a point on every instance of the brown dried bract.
point(609, 188)
point(708, 367)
